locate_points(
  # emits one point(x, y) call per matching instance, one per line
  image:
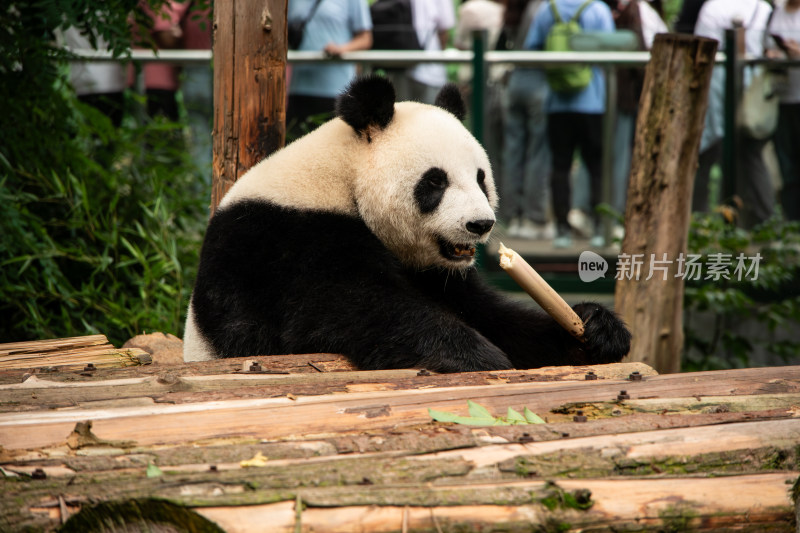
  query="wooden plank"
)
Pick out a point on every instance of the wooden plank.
point(71, 353)
point(738, 447)
point(744, 503)
point(679, 450)
point(299, 363)
point(51, 345)
point(176, 385)
point(286, 417)
point(376, 447)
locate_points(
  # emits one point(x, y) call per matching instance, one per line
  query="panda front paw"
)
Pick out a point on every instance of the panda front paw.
point(606, 337)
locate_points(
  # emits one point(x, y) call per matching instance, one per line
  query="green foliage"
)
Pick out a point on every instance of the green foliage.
point(772, 299)
point(106, 244)
point(32, 91)
point(101, 225)
point(480, 416)
point(671, 10)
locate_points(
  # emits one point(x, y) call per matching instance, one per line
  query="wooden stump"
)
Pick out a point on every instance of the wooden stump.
point(249, 87)
point(669, 126)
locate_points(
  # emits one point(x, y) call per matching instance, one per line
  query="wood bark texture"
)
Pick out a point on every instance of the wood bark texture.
point(306, 443)
point(249, 87)
point(669, 126)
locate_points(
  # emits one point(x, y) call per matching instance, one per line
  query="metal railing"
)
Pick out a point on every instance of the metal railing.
point(481, 60)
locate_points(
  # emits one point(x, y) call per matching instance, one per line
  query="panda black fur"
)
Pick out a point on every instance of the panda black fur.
point(359, 237)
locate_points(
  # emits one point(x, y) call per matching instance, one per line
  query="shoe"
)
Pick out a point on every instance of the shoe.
point(598, 241)
point(581, 223)
point(547, 231)
point(563, 238)
point(529, 230)
point(515, 228)
point(564, 241)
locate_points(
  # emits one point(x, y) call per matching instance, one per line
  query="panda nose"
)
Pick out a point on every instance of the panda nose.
point(480, 227)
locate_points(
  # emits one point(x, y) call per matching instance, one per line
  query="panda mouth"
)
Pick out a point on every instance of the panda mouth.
point(456, 252)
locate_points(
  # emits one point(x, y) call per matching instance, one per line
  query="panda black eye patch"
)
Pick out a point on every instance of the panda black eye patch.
point(429, 191)
point(482, 182)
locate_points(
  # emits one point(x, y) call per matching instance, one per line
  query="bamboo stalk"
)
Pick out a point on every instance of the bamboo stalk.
point(549, 300)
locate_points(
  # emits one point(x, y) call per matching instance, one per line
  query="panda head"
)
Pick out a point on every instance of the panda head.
point(423, 183)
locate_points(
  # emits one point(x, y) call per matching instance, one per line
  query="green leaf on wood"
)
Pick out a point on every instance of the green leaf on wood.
point(514, 417)
point(153, 470)
point(477, 410)
point(480, 416)
point(532, 418)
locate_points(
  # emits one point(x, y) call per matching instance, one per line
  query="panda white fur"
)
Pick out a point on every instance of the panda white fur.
point(359, 238)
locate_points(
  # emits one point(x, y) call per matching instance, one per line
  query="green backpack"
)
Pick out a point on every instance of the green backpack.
point(567, 78)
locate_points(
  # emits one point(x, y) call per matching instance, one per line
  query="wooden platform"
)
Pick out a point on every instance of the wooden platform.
point(306, 443)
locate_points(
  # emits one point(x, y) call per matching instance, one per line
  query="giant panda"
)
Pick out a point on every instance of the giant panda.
point(359, 238)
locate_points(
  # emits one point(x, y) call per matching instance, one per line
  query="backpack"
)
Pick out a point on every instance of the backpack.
point(566, 78)
point(393, 26)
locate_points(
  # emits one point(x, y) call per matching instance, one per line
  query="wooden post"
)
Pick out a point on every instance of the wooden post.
point(668, 130)
point(249, 87)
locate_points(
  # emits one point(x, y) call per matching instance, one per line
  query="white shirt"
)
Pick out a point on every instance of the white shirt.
point(431, 17)
point(652, 24)
point(478, 15)
point(787, 25)
point(92, 77)
point(716, 16)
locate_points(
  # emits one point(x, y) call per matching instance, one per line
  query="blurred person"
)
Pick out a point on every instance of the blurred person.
point(574, 119)
point(335, 27)
point(197, 87)
point(478, 15)
point(645, 22)
point(524, 185)
point(433, 20)
point(754, 186)
point(161, 79)
point(100, 84)
point(687, 17)
point(785, 24)
point(484, 15)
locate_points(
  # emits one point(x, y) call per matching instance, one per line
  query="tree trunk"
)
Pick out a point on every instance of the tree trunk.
point(249, 87)
point(669, 126)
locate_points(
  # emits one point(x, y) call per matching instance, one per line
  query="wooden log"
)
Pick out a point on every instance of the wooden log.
point(745, 447)
point(744, 503)
point(180, 385)
point(291, 417)
point(669, 125)
point(249, 87)
point(709, 449)
point(68, 354)
point(755, 502)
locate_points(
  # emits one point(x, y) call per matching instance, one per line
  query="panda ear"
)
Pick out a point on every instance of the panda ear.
point(367, 101)
point(449, 99)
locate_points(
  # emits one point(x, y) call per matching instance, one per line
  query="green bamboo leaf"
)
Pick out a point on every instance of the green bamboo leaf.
point(480, 421)
point(478, 411)
point(514, 417)
point(532, 417)
point(444, 416)
point(153, 470)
